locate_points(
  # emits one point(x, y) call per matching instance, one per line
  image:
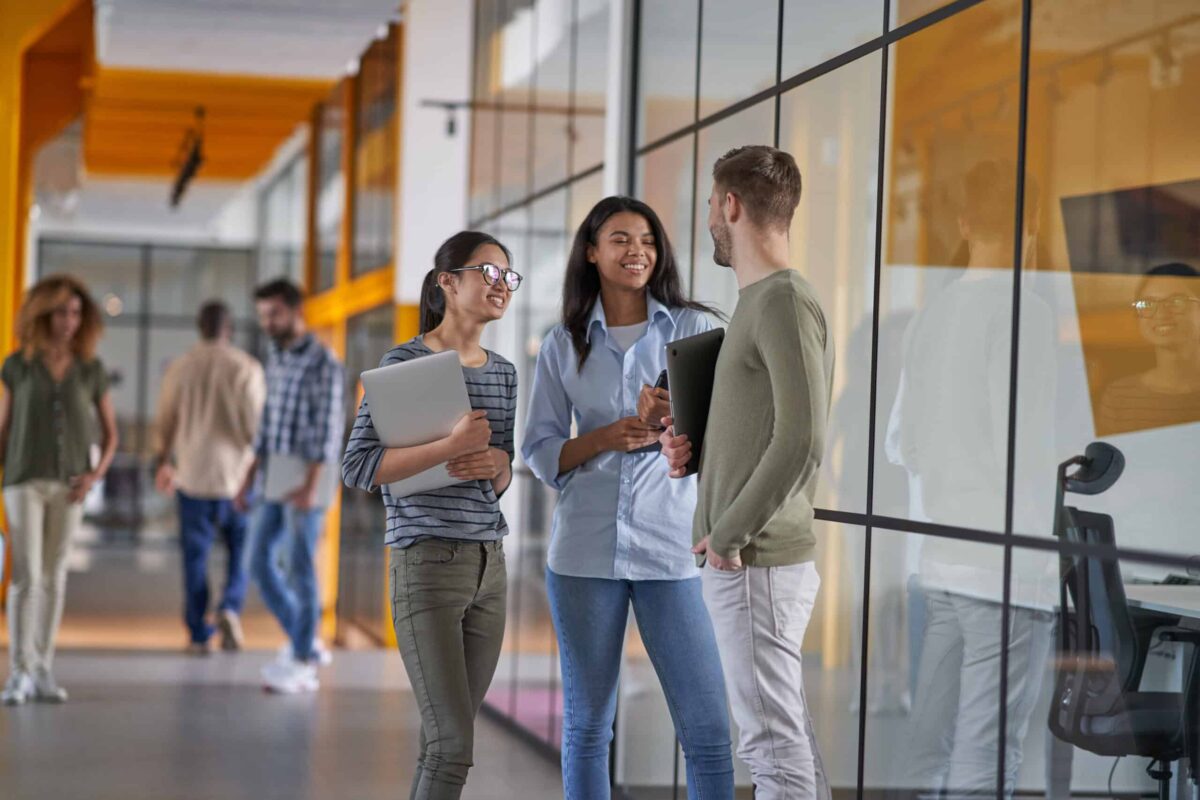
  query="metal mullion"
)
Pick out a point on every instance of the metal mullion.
point(872, 408)
point(1014, 366)
point(815, 72)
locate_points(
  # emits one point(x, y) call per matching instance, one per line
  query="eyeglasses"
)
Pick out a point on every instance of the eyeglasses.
point(492, 274)
point(1174, 306)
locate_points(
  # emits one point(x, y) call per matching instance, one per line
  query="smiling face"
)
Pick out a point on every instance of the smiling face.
point(468, 294)
point(625, 251)
point(1175, 321)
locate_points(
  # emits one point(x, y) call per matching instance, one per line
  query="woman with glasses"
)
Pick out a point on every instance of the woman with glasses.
point(447, 559)
point(622, 531)
point(1167, 306)
point(55, 406)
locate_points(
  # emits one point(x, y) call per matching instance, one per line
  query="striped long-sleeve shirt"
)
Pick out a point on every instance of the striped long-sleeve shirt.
point(303, 415)
point(465, 511)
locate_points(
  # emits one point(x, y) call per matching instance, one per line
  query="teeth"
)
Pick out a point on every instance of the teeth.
point(497, 301)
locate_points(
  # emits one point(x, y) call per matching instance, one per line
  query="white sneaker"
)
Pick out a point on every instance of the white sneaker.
point(321, 654)
point(291, 677)
point(46, 689)
point(17, 690)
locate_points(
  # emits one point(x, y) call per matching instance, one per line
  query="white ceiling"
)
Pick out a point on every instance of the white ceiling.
point(297, 38)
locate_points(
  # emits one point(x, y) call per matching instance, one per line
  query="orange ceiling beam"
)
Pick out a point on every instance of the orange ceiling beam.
point(136, 120)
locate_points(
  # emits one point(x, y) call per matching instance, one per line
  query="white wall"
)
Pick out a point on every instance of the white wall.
point(433, 166)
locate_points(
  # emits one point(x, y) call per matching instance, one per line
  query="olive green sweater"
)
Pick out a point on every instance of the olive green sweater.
point(766, 426)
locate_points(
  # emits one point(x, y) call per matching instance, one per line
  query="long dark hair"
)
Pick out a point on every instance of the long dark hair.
point(581, 286)
point(454, 253)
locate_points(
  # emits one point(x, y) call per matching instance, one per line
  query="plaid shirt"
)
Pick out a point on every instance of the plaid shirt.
point(303, 415)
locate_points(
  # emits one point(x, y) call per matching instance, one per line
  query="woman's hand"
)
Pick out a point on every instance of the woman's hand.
point(654, 405)
point(81, 485)
point(628, 434)
point(471, 434)
point(486, 466)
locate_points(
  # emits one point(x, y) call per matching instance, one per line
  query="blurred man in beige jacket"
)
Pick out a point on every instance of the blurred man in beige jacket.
point(208, 412)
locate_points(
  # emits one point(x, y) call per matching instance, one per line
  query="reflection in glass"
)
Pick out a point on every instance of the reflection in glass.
point(666, 68)
point(738, 44)
point(816, 32)
point(112, 272)
point(331, 186)
point(182, 277)
point(376, 135)
point(513, 88)
point(552, 92)
point(755, 125)
point(947, 282)
point(831, 127)
point(1121, 198)
point(591, 84)
point(361, 564)
point(664, 182)
point(283, 208)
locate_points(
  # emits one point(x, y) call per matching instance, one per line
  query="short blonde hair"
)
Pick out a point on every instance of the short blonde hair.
point(33, 320)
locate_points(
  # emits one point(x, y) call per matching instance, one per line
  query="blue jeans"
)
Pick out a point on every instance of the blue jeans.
point(199, 522)
point(589, 617)
point(293, 597)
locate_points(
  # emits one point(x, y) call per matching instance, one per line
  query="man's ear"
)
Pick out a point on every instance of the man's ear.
point(732, 208)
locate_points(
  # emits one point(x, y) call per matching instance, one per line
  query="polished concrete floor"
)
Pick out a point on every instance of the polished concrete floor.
point(163, 726)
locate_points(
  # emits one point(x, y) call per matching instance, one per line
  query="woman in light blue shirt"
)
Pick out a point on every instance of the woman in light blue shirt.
point(622, 528)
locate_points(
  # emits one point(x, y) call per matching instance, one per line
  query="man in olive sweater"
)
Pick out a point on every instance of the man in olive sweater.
point(758, 471)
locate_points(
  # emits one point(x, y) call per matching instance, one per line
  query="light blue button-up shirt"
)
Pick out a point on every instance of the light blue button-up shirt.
point(619, 516)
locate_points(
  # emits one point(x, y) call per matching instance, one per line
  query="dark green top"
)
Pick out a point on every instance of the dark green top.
point(53, 425)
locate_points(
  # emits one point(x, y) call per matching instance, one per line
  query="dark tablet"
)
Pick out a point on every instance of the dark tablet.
point(691, 365)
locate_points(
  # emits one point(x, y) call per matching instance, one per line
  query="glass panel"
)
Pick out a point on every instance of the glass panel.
point(285, 223)
point(831, 126)
point(362, 563)
point(376, 145)
point(485, 119)
point(118, 508)
point(515, 94)
point(1116, 198)
point(738, 47)
point(664, 181)
point(666, 67)
point(331, 186)
point(941, 447)
point(1126, 661)
point(591, 84)
point(112, 272)
point(905, 11)
point(816, 32)
point(712, 283)
point(552, 92)
point(933, 666)
point(181, 278)
point(538, 696)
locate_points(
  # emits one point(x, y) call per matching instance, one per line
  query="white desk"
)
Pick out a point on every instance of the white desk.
point(1175, 601)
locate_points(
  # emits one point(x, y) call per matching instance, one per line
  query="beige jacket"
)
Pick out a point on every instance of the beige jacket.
point(208, 411)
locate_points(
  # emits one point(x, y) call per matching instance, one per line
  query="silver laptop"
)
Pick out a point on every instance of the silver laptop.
point(285, 474)
point(417, 402)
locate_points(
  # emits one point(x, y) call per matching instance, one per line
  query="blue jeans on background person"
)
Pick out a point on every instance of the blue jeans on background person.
point(291, 596)
point(199, 522)
point(590, 616)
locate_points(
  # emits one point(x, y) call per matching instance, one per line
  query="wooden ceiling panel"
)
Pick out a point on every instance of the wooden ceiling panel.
point(136, 120)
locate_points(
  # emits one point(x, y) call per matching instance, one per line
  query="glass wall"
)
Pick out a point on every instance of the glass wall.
point(330, 188)
point(1001, 218)
point(376, 149)
point(283, 210)
point(149, 295)
point(362, 578)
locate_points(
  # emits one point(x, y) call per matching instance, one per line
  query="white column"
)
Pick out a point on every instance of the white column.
point(434, 165)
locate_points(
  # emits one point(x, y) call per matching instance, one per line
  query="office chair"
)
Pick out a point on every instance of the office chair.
point(1102, 644)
